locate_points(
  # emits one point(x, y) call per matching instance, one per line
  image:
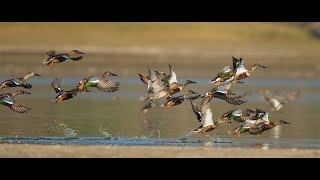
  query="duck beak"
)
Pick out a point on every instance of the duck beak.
point(37, 74)
point(263, 66)
point(54, 100)
point(112, 74)
point(26, 92)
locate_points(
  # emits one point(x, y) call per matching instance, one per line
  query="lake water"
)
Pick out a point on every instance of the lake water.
point(113, 118)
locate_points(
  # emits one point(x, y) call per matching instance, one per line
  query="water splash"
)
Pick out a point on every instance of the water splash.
point(184, 138)
point(105, 133)
point(153, 133)
point(68, 132)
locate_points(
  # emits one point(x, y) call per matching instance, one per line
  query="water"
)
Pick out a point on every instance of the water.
point(101, 119)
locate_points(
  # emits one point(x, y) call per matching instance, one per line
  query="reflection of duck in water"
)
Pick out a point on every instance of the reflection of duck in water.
point(74, 55)
point(7, 99)
point(20, 81)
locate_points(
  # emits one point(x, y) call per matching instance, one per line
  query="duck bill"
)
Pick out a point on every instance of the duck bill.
point(37, 74)
point(56, 100)
point(112, 74)
point(45, 62)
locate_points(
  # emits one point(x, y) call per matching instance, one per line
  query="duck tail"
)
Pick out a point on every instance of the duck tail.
point(27, 86)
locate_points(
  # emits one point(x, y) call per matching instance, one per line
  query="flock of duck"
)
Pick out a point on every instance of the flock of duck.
point(165, 85)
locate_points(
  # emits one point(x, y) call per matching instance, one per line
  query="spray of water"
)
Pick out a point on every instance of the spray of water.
point(185, 137)
point(216, 139)
point(105, 133)
point(68, 132)
point(153, 133)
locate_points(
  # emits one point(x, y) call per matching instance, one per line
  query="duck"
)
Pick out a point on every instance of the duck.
point(204, 115)
point(163, 76)
point(237, 115)
point(227, 73)
point(20, 81)
point(174, 85)
point(100, 82)
point(156, 89)
point(74, 55)
point(256, 127)
point(62, 94)
point(223, 92)
point(8, 100)
point(278, 101)
point(173, 101)
point(242, 72)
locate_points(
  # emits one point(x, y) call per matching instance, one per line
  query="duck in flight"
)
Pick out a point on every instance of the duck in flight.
point(227, 72)
point(223, 92)
point(99, 82)
point(173, 101)
point(74, 55)
point(20, 81)
point(62, 94)
point(204, 115)
point(8, 100)
point(174, 85)
point(242, 73)
point(256, 127)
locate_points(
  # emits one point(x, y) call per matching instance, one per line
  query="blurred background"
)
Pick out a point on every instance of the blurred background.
point(197, 51)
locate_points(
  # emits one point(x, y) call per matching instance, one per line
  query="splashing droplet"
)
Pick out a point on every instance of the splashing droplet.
point(68, 132)
point(105, 133)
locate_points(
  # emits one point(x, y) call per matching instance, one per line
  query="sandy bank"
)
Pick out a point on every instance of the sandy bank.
point(53, 151)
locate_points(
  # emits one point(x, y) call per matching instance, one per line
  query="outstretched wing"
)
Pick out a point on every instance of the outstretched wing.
point(75, 55)
point(173, 76)
point(206, 111)
point(229, 97)
point(154, 84)
point(51, 53)
point(196, 110)
point(56, 85)
point(224, 72)
point(227, 114)
point(258, 128)
point(19, 109)
point(107, 85)
point(144, 78)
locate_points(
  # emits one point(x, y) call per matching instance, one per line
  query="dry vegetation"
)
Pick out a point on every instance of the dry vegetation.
point(196, 49)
